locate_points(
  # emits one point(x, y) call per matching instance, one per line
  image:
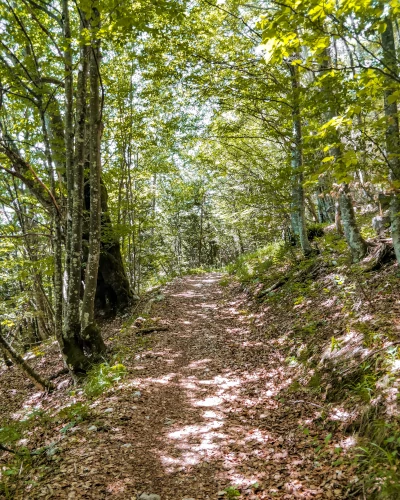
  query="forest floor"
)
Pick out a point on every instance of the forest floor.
point(203, 412)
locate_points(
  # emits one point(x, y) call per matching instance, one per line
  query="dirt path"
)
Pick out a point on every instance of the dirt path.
point(208, 415)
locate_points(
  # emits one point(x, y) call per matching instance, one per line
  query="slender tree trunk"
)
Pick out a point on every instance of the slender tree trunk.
point(345, 215)
point(356, 242)
point(200, 245)
point(338, 218)
point(72, 321)
point(57, 243)
point(71, 346)
point(298, 208)
point(45, 321)
point(392, 133)
point(68, 141)
point(45, 313)
point(90, 332)
point(325, 204)
point(311, 208)
point(39, 382)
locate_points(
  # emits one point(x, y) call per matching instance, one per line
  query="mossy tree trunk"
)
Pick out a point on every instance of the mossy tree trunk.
point(356, 242)
point(298, 207)
point(392, 131)
point(89, 330)
point(345, 219)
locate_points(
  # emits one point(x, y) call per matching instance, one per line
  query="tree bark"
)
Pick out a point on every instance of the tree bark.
point(68, 139)
point(70, 343)
point(7, 360)
point(344, 214)
point(72, 317)
point(39, 382)
point(113, 292)
point(89, 331)
point(392, 133)
point(356, 242)
point(298, 207)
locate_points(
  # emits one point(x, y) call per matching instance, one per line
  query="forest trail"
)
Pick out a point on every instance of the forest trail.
point(208, 415)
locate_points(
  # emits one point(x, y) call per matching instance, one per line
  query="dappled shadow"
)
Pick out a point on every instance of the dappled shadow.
point(200, 411)
point(209, 414)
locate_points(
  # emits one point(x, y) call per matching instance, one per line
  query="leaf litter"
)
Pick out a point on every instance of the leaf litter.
point(206, 414)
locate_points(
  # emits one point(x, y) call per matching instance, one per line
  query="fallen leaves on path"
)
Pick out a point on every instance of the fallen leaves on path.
point(199, 412)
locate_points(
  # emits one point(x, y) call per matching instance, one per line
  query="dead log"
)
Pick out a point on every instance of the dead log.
point(151, 329)
point(382, 253)
point(272, 288)
point(19, 361)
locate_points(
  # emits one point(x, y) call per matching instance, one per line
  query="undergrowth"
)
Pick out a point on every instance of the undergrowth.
point(334, 313)
point(102, 377)
point(16, 435)
point(254, 265)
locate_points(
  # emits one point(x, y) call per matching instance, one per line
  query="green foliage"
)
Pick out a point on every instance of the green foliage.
point(254, 266)
point(365, 387)
point(76, 412)
point(232, 492)
point(14, 430)
point(225, 281)
point(101, 377)
point(315, 382)
point(315, 230)
point(10, 433)
point(335, 343)
point(380, 458)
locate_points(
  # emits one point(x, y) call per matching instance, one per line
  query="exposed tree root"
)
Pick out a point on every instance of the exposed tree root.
point(381, 253)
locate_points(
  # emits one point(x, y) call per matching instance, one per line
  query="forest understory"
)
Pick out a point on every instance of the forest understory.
point(199, 249)
point(248, 390)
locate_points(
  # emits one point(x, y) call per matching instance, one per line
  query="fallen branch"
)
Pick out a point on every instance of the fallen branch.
point(276, 285)
point(9, 450)
point(306, 402)
point(25, 452)
point(19, 361)
point(312, 270)
point(151, 329)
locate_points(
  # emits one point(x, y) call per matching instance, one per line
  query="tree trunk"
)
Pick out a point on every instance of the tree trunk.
point(392, 133)
point(89, 331)
point(72, 318)
point(325, 204)
point(45, 321)
point(113, 292)
point(7, 360)
point(71, 345)
point(344, 215)
point(69, 145)
point(356, 242)
point(298, 208)
point(57, 250)
point(338, 218)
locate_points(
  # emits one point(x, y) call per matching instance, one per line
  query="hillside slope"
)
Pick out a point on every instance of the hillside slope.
point(219, 404)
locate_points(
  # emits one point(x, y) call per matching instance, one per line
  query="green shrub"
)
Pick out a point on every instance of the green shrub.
point(101, 377)
point(224, 281)
point(315, 230)
point(232, 492)
point(77, 412)
point(380, 459)
point(253, 266)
